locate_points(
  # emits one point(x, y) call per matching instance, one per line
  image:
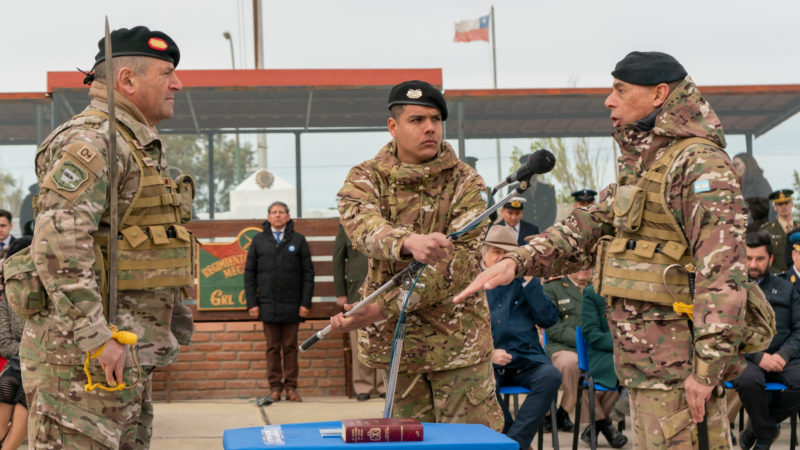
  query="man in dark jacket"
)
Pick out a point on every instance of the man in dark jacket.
point(349, 271)
point(518, 358)
point(279, 281)
point(780, 362)
point(512, 216)
point(792, 274)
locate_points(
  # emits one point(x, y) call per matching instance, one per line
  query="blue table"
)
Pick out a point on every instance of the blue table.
point(440, 436)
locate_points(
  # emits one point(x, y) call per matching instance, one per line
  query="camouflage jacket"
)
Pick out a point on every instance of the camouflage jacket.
point(656, 348)
point(73, 210)
point(381, 203)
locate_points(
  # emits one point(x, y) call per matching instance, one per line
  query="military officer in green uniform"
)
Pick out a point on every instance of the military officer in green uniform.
point(780, 227)
point(349, 271)
point(70, 246)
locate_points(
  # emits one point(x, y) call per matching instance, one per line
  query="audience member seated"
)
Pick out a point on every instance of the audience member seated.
point(601, 367)
point(13, 407)
point(565, 292)
point(780, 362)
point(519, 360)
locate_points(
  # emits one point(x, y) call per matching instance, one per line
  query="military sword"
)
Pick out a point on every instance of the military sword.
point(112, 183)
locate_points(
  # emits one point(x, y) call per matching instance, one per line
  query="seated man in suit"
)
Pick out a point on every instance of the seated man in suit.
point(519, 360)
point(780, 362)
point(512, 216)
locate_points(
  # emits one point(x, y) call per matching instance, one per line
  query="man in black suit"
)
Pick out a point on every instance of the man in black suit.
point(5, 233)
point(512, 216)
point(780, 362)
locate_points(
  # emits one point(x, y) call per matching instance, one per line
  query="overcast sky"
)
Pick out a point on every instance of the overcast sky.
point(539, 44)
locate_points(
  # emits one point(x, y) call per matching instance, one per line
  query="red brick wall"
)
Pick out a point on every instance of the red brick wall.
point(227, 360)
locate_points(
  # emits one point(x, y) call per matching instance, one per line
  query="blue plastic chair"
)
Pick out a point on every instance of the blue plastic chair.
point(585, 380)
point(770, 386)
point(512, 392)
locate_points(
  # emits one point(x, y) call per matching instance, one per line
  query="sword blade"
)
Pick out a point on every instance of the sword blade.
point(112, 182)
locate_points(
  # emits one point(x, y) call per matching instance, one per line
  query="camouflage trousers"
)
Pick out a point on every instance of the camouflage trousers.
point(463, 395)
point(661, 419)
point(62, 415)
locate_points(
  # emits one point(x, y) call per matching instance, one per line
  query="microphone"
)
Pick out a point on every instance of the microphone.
point(540, 161)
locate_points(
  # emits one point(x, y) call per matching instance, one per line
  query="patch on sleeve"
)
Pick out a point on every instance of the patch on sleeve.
point(484, 196)
point(702, 186)
point(69, 176)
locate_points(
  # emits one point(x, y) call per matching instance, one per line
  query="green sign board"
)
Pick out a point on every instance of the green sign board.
point(220, 273)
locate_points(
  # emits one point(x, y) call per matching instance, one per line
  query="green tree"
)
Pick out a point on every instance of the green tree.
point(10, 193)
point(578, 166)
point(189, 153)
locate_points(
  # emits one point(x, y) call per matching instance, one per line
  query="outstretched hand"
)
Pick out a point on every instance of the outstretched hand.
point(499, 274)
point(428, 248)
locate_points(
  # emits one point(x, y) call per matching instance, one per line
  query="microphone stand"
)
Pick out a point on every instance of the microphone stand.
point(408, 278)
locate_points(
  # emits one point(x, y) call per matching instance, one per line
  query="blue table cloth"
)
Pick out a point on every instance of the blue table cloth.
point(439, 436)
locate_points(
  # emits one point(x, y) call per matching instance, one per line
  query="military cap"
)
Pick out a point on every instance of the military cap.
point(584, 195)
point(794, 238)
point(417, 92)
point(648, 68)
point(515, 203)
point(501, 236)
point(139, 41)
point(781, 196)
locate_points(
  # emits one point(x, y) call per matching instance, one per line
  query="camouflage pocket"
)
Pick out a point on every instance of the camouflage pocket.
point(600, 251)
point(24, 289)
point(628, 207)
point(759, 318)
point(677, 429)
point(186, 190)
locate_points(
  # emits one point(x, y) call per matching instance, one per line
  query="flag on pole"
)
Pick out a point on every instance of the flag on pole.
point(472, 30)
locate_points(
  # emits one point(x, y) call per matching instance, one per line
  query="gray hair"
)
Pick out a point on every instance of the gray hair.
point(138, 64)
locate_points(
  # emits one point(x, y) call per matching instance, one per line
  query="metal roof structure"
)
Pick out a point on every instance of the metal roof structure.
point(575, 112)
point(314, 100)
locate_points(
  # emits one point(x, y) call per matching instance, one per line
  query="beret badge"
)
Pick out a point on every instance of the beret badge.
point(414, 93)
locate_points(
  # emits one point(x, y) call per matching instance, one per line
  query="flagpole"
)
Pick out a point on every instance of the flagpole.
point(494, 77)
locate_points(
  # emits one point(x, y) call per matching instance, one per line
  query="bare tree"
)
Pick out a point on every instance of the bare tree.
point(578, 166)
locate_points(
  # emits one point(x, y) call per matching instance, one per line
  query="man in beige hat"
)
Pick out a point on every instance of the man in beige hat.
point(519, 360)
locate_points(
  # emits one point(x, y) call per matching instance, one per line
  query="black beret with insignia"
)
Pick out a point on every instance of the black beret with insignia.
point(648, 68)
point(417, 92)
point(584, 195)
point(139, 41)
point(781, 196)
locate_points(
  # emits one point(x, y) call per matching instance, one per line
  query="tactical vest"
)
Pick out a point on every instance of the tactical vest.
point(154, 249)
point(636, 263)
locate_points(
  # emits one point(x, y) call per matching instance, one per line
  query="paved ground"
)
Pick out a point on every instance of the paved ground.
point(200, 424)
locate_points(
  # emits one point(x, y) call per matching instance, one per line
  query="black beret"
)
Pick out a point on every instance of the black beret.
point(417, 92)
point(648, 68)
point(584, 195)
point(139, 41)
point(781, 196)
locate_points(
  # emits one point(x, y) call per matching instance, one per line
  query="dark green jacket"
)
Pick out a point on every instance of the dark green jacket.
point(349, 267)
point(598, 338)
point(778, 239)
point(567, 298)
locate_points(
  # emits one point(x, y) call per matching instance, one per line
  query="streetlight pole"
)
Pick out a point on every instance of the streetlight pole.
point(227, 36)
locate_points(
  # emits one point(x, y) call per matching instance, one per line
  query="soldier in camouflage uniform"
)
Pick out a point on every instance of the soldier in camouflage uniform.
point(397, 207)
point(689, 202)
point(69, 246)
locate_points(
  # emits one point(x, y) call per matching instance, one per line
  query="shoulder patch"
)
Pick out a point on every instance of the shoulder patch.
point(702, 186)
point(69, 176)
point(81, 153)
